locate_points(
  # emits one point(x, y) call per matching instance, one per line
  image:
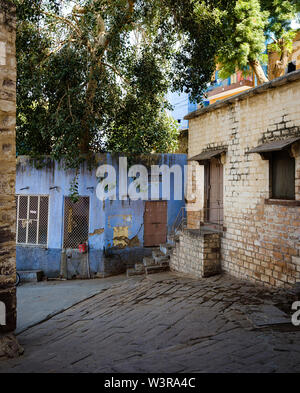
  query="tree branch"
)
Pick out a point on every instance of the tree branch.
point(65, 20)
point(116, 71)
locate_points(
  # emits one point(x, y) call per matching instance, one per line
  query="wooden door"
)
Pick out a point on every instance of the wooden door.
point(215, 194)
point(155, 223)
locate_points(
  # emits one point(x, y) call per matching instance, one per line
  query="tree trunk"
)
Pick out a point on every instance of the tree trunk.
point(259, 72)
point(90, 95)
point(281, 65)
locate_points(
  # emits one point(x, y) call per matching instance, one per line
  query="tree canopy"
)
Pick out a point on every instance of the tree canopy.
point(248, 26)
point(93, 74)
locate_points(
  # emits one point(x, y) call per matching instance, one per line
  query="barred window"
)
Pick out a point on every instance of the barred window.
point(32, 219)
point(76, 222)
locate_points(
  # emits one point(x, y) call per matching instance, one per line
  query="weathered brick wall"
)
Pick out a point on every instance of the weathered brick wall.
point(197, 254)
point(7, 163)
point(261, 241)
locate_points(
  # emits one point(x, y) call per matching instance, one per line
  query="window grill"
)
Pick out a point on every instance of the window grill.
point(76, 222)
point(32, 219)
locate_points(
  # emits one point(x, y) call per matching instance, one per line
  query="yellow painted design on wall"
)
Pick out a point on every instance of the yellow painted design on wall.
point(121, 237)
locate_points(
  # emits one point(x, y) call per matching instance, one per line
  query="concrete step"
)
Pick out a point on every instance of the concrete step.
point(133, 272)
point(162, 261)
point(30, 275)
point(139, 267)
point(157, 253)
point(159, 257)
point(166, 248)
point(156, 269)
point(173, 239)
point(148, 261)
point(176, 238)
point(165, 263)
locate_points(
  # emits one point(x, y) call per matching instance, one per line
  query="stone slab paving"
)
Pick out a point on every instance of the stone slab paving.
point(39, 301)
point(165, 323)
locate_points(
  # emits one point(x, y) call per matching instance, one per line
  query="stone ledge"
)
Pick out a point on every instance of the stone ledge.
point(282, 202)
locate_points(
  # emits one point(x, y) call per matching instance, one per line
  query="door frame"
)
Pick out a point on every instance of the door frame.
point(207, 192)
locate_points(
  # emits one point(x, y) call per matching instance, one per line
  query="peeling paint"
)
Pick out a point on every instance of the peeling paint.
point(134, 242)
point(97, 232)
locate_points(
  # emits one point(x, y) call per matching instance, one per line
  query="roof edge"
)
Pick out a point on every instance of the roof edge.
point(281, 81)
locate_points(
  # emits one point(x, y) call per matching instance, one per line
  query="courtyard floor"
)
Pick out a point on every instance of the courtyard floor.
point(166, 323)
point(38, 301)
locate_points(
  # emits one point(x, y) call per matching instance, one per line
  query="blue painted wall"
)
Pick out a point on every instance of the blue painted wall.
point(104, 216)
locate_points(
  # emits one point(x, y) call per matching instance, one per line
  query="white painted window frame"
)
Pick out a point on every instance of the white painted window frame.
point(27, 219)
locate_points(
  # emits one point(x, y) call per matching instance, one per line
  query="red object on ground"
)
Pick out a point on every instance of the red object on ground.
point(82, 248)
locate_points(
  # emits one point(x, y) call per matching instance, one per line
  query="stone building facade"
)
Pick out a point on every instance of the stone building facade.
point(254, 141)
point(8, 345)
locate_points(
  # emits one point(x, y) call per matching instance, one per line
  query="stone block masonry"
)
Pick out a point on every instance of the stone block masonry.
point(8, 344)
point(197, 253)
point(262, 237)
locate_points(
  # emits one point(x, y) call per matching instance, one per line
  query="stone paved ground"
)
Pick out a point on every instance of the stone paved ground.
point(37, 301)
point(165, 323)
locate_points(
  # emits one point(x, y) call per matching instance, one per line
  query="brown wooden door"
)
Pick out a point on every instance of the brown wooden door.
point(155, 223)
point(215, 194)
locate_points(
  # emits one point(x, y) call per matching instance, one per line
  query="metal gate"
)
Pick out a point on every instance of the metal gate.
point(155, 223)
point(76, 222)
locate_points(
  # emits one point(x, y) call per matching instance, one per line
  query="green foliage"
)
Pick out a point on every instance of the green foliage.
point(95, 78)
point(201, 25)
point(286, 41)
point(247, 22)
point(281, 13)
point(247, 27)
point(84, 84)
point(73, 191)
